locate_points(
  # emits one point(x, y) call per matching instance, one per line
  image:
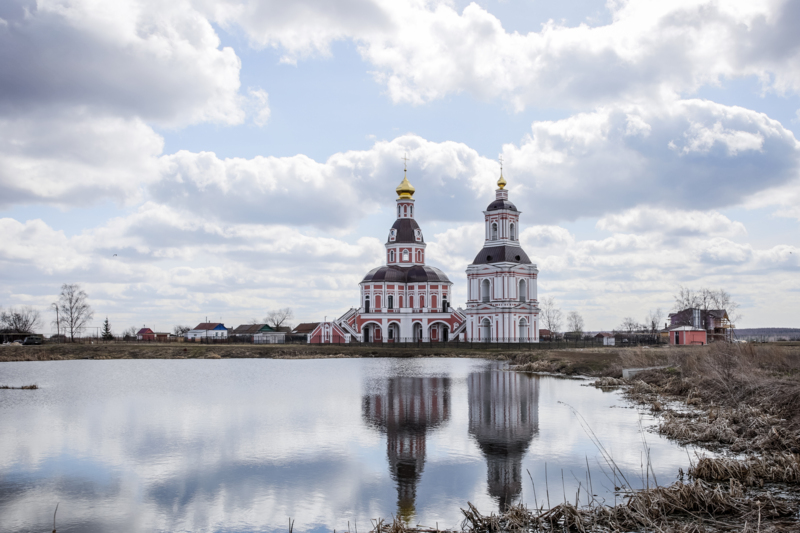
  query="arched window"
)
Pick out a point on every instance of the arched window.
point(398, 211)
point(523, 329)
point(411, 302)
point(366, 304)
point(486, 333)
point(523, 291)
point(513, 234)
point(391, 301)
point(422, 301)
point(494, 231)
point(405, 255)
point(411, 210)
point(391, 256)
point(445, 306)
point(485, 290)
point(405, 210)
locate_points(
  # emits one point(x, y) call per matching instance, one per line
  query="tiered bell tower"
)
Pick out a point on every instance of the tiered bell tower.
point(502, 304)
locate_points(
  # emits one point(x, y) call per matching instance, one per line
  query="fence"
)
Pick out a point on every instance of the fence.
point(498, 343)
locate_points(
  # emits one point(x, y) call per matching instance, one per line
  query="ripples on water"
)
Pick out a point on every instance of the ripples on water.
point(242, 445)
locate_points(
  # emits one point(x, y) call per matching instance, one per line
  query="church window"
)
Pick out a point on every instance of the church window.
point(391, 301)
point(513, 234)
point(393, 234)
point(411, 301)
point(422, 301)
point(494, 231)
point(418, 234)
point(523, 290)
point(411, 210)
point(485, 289)
point(398, 211)
point(391, 256)
point(366, 304)
point(405, 255)
point(405, 210)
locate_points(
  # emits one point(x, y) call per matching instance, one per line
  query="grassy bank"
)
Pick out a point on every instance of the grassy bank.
point(740, 400)
point(54, 352)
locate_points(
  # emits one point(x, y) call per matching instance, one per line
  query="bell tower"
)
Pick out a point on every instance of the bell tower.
point(502, 301)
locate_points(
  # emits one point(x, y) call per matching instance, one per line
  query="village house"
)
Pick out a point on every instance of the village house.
point(207, 330)
point(714, 322)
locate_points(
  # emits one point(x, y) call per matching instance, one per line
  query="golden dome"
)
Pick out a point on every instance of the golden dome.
point(502, 181)
point(405, 189)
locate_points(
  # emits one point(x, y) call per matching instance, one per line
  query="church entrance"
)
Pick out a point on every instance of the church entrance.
point(417, 332)
point(445, 334)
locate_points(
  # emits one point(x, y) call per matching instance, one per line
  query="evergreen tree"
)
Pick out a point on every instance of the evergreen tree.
point(107, 331)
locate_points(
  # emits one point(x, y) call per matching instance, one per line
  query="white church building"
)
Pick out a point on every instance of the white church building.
point(406, 300)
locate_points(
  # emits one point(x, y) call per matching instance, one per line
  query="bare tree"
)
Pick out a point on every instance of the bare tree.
point(74, 309)
point(705, 299)
point(629, 324)
point(653, 320)
point(278, 317)
point(180, 331)
point(575, 323)
point(24, 319)
point(129, 333)
point(551, 315)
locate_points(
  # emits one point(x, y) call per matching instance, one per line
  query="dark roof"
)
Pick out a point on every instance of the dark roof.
point(251, 329)
point(145, 331)
point(500, 254)
point(604, 334)
point(501, 204)
point(208, 325)
point(305, 327)
point(405, 230)
point(414, 274)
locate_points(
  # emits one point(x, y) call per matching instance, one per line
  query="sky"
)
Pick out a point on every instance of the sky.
point(218, 159)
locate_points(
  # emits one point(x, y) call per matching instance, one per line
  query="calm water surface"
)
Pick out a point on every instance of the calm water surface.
point(243, 445)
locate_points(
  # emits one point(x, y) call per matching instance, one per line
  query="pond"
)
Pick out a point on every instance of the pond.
point(246, 444)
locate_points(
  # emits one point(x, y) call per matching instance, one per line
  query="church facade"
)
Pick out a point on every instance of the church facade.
point(406, 300)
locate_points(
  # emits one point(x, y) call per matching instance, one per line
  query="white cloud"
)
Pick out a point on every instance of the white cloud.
point(671, 222)
point(75, 158)
point(259, 101)
point(588, 164)
point(424, 50)
point(160, 61)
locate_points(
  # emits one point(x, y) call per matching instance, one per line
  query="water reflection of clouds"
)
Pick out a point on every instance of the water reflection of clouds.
point(242, 445)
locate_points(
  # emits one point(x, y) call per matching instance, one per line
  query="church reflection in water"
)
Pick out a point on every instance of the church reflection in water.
point(503, 419)
point(406, 409)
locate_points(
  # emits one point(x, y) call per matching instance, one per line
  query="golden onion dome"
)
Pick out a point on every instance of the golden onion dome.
point(502, 181)
point(405, 189)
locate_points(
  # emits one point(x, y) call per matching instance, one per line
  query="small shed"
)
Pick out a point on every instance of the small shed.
point(688, 335)
point(145, 334)
point(608, 338)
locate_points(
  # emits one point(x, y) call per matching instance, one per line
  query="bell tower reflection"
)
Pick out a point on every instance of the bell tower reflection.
point(503, 419)
point(406, 410)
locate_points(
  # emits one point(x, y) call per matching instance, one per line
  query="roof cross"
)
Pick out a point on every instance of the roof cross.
point(405, 162)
